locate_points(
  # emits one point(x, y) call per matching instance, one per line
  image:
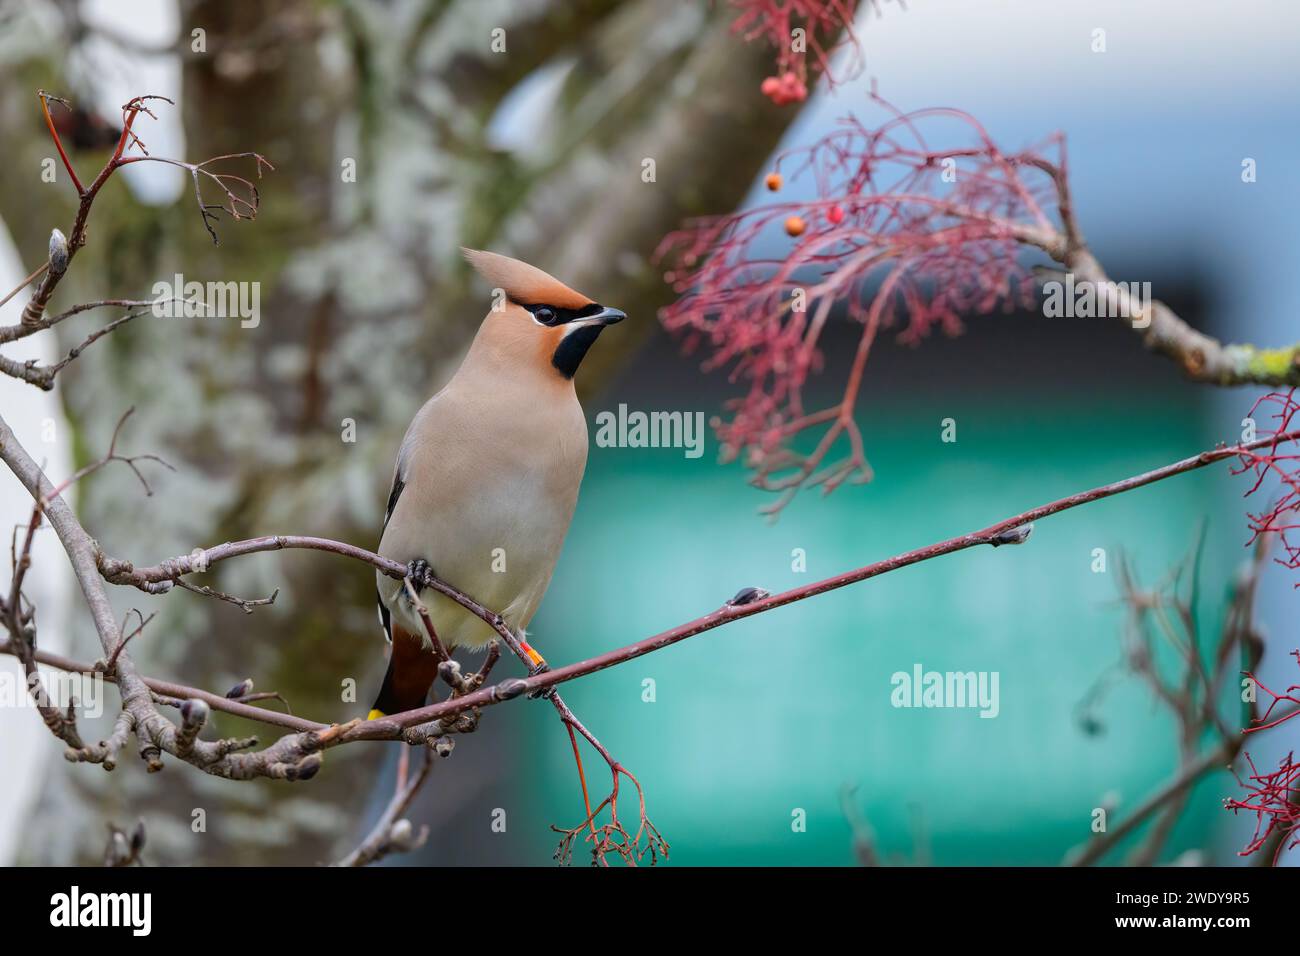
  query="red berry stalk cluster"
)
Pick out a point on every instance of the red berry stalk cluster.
point(802, 31)
point(1277, 465)
point(901, 233)
point(1273, 797)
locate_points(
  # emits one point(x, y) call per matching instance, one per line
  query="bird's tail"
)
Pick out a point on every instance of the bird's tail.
point(411, 672)
point(384, 703)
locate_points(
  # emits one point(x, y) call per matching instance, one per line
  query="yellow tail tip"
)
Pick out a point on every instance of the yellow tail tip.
point(375, 714)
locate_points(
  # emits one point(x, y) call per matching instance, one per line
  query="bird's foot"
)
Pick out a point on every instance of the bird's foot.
point(541, 667)
point(416, 571)
point(465, 722)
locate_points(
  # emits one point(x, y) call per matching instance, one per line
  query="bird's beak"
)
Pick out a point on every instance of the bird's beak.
point(605, 316)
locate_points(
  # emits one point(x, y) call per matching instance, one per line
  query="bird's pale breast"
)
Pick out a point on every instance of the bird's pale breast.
point(492, 507)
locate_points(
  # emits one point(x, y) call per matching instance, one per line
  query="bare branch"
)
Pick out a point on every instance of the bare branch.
point(392, 834)
point(244, 604)
point(241, 201)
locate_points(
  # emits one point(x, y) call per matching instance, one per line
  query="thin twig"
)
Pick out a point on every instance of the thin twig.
point(391, 834)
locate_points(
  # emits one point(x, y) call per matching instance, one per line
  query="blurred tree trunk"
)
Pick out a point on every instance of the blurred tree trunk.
point(366, 307)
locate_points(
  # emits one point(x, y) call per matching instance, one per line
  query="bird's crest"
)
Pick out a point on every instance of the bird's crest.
point(525, 284)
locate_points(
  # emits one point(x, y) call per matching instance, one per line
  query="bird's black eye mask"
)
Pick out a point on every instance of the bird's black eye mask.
point(574, 345)
point(550, 315)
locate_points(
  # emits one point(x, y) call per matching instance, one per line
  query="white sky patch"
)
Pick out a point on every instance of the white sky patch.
point(943, 50)
point(521, 119)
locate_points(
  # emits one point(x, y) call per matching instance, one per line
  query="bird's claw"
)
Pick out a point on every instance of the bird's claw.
point(467, 722)
point(539, 668)
point(416, 570)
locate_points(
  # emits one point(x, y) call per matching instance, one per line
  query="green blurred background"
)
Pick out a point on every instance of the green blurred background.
point(780, 711)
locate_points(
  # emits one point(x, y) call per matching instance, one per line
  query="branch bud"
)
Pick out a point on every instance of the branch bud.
point(307, 768)
point(58, 253)
point(449, 671)
point(194, 712)
point(402, 835)
point(137, 838)
point(748, 596)
point(509, 689)
point(1013, 536)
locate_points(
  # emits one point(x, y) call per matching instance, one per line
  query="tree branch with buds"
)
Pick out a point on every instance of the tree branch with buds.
point(93, 568)
point(240, 200)
point(297, 756)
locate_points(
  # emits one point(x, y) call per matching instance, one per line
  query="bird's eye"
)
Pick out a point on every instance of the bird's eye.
point(545, 315)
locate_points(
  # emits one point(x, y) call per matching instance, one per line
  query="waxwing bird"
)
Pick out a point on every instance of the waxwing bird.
point(487, 476)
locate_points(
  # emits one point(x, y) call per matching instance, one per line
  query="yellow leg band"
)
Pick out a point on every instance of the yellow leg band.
point(537, 660)
point(375, 715)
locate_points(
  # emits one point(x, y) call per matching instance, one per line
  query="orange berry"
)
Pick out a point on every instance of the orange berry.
point(795, 226)
point(774, 181)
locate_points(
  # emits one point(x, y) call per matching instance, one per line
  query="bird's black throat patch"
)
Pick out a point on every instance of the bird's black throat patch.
point(573, 349)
